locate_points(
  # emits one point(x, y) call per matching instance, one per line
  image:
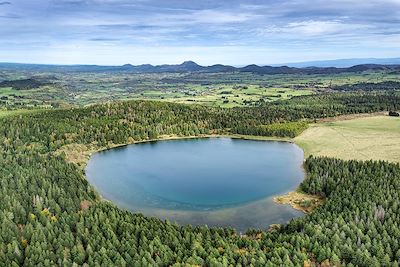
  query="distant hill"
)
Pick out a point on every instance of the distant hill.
point(363, 86)
point(23, 84)
point(343, 63)
point(190, 66)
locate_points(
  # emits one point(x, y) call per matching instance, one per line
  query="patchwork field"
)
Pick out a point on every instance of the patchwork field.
point(236, 96)
point(376, 138)
point(58, 89)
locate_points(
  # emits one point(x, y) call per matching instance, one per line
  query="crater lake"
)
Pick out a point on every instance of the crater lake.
point(213, 181)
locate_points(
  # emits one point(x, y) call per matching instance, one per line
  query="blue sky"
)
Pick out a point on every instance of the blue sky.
point(236, 32)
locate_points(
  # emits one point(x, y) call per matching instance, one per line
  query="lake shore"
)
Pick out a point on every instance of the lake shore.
point(80, 154)
point(300, 201)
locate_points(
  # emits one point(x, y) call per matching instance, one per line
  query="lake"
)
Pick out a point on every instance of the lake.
point(214, 181)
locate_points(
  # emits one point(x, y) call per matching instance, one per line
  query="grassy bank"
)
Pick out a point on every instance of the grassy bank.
point(300, 201)
point(369, 138)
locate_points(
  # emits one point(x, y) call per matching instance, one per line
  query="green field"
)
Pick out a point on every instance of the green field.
point(232, 96)
point(5, 113)
point(211, 89)
point(376, 138)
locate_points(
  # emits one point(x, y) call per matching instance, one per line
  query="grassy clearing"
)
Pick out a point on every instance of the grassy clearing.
point(5, 113)
point(376, 138)
point(301, 201)
point(77, 153)
point(346, 137)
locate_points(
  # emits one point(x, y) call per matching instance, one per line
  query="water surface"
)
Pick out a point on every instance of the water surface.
point(214, 181)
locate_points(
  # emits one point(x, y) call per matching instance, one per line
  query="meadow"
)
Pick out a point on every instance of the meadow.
point(7, 113)
point(369, 138)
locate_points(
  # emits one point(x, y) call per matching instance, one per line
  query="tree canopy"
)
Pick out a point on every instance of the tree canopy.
point(50, 215)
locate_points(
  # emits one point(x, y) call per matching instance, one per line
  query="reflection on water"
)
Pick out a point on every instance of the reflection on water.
point(213, 181)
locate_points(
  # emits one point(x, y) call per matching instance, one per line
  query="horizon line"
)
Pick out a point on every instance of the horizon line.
point(236, 66)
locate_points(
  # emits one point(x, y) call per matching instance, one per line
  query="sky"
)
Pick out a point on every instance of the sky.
point(235, 32)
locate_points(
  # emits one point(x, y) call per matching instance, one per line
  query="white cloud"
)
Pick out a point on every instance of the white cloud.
point(214, 16)
point(226, 31)
point(207, 16)
point(313, 28)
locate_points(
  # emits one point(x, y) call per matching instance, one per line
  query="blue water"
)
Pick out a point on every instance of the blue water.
point(213, 181)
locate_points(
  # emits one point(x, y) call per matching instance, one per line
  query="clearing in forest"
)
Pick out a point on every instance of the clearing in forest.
point(376, 138)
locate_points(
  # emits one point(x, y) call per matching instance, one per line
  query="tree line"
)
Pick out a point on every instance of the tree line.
point(50, 215)
point(367, 86)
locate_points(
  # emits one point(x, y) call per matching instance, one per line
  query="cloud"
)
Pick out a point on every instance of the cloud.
point(304, 26)
point(219, 17)
point(197, 18)
point(314, 28)
point(101, 39)
point(69, 2)
point(10, 16)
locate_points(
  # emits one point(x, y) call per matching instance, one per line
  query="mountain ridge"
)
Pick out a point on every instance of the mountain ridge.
point(193, 67)
point(342, 63)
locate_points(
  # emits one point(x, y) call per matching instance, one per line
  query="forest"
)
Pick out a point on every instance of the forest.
point(24, 84)
point(363, 86)
point(50, 215)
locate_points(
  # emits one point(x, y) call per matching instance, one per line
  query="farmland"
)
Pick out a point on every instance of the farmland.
point(60, 89)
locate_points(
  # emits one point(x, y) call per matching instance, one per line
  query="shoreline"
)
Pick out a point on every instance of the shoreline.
point(80, 155)
point(300, 201)
point(90, 149)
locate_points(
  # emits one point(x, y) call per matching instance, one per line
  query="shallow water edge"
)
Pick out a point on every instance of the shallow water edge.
point(253, 213)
